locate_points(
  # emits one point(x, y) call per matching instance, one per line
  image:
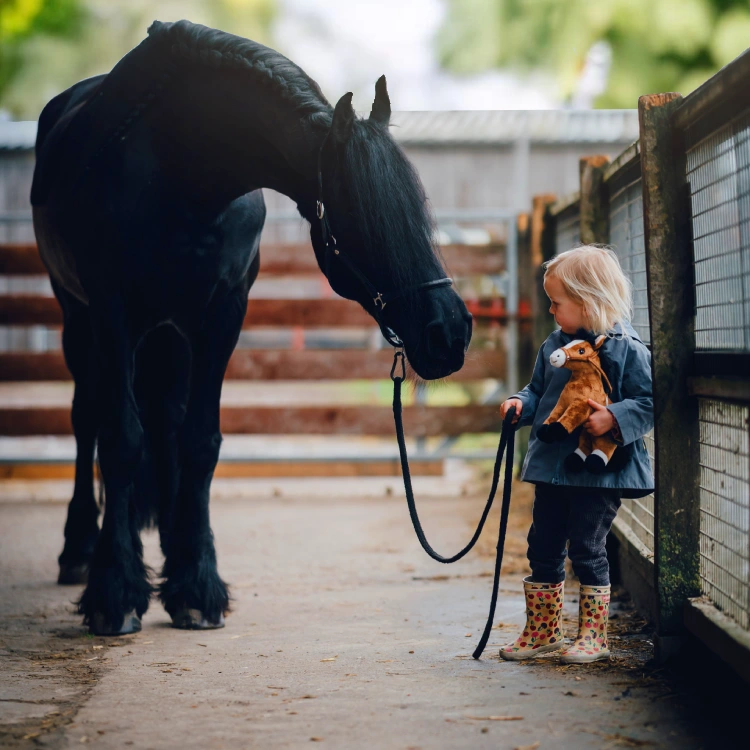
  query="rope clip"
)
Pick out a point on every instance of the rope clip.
point(399, 353)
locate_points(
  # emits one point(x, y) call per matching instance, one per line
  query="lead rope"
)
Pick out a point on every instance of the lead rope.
point(507, 437)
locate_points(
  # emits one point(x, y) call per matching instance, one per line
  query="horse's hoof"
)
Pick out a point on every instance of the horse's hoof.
point(193, 619)
point(71, 575)
point(99, 625)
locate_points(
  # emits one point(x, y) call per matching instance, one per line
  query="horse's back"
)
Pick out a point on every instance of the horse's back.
point(54, 121)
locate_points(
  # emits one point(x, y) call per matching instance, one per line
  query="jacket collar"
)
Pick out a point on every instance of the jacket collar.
point(566, 338)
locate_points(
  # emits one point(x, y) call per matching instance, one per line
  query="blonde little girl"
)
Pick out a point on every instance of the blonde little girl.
point(589, 295)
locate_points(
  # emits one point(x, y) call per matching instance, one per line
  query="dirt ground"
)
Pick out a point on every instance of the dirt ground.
point(343, 633)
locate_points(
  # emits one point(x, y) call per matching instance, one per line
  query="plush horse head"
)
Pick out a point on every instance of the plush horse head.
point(384, 255)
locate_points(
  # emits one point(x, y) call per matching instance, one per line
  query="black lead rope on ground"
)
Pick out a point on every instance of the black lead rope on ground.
point(507, 437)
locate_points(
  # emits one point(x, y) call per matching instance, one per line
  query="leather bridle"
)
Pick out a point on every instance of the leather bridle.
point(334, 252)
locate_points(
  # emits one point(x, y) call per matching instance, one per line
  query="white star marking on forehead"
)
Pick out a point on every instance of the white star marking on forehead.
point(573, 343)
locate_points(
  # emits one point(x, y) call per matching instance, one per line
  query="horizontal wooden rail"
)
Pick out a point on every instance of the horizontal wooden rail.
point(22, 309)
point(566, 203)
point(270, 364)
point(253, 469)
point(419, 421)
point(727, 89)
point(35, 309)
point(282, 260)
point(631, 154)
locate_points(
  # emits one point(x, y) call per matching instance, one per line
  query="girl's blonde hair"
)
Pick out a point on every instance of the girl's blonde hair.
point(591, 276)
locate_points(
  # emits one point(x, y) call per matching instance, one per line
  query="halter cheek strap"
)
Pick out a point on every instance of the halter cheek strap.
point(333, 252)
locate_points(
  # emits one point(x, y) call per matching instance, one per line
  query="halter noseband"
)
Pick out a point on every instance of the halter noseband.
point(379, 299)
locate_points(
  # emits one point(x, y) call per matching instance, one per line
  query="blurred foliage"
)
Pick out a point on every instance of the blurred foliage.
point(21, 20)
point(657, 45)
point(52, 44)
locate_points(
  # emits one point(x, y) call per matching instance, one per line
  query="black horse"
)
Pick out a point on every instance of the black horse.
point(148, 212)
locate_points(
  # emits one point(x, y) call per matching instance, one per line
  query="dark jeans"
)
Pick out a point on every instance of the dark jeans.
point(581, 515)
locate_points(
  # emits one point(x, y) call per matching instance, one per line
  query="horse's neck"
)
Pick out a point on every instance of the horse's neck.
point(224, 137)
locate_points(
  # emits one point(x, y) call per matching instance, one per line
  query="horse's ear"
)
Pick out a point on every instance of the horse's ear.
point(381, 107)
point(343, 118)
point(599, 341)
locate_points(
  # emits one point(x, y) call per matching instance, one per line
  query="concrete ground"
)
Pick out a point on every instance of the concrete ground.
point(343, 633)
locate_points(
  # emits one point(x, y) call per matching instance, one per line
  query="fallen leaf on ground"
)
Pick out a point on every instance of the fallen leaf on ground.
point(333, 658)
point(528, 747)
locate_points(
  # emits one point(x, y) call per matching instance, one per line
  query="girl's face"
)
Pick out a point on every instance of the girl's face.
point(569, 315)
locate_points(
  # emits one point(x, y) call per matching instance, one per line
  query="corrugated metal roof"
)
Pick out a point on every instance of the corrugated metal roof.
point(17, 135)
point(548, 126)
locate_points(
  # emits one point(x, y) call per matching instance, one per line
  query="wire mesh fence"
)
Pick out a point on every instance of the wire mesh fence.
point(725, 507)
point(718, 173)
point(626, 237)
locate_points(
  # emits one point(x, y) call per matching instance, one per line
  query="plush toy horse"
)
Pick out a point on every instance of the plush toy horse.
point(587, 381)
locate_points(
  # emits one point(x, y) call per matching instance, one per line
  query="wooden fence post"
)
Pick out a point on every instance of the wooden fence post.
point(541, 248)
point(594, 200)
point(670, 294)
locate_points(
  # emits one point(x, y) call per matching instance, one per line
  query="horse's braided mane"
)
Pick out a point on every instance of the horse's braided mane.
point(194, 43)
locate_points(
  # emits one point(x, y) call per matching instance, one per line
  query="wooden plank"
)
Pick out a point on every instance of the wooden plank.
point(670, 291)
point(375, 467)
point(270, 364)
point(729, 85)
point(623, 161)
point(419, 421)
point(725, 637)
point(30, 309)
point(566, 203)
point(283, 260)
point(594, 200)
point(729, 389)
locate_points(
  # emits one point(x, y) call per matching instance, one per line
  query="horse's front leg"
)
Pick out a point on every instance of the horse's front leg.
point(552, 431)
point(192, 592)
point(118, 591)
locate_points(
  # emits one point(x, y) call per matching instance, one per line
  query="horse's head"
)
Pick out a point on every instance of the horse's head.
point(579, 353)
point(375, 242)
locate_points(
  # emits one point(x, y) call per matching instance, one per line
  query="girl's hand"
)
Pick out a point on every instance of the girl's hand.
point(600, 421)
point(512, 402)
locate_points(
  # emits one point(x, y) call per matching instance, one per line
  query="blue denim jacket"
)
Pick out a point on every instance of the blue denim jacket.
point(627, 363)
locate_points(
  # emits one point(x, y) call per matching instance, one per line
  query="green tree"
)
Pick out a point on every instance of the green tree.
point(21, 20)
point(48, 63)
point(657, 45)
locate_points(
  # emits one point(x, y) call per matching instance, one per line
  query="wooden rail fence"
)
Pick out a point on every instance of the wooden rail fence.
point(304, 365)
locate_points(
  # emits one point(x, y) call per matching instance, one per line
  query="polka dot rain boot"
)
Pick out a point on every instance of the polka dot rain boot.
point(543, 631)
point(593, 613)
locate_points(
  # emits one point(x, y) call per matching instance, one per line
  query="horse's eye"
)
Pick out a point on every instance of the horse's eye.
point(581, 351)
